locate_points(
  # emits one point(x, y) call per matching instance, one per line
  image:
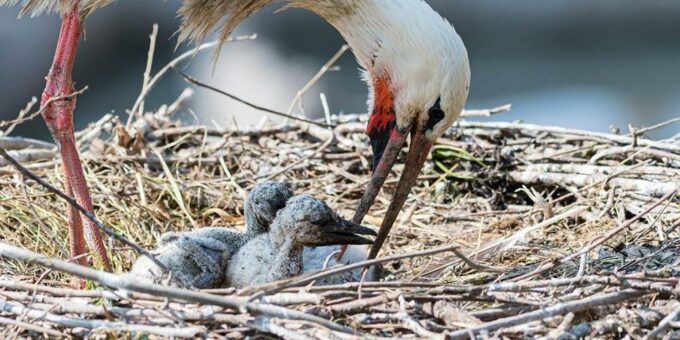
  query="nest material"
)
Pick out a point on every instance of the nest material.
point(558, 232)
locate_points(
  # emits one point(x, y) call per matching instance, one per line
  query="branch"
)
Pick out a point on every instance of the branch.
point(197, 82)
point(486, 112)
point(558, 309)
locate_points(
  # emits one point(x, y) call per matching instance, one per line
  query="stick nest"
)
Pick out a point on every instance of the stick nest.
point(564, 233)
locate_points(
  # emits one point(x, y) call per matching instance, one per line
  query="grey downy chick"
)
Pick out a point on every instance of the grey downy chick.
point(267, 201)
point(304, 222)
point(198, 258)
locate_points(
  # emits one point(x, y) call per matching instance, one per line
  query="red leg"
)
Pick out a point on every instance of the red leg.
point(76, 241)
point(58, 115)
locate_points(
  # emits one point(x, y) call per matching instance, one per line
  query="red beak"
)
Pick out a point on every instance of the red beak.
point(417, 154)
point(388, 156)
point(387, 140)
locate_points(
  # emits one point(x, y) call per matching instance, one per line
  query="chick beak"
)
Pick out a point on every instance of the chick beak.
point(344, 232)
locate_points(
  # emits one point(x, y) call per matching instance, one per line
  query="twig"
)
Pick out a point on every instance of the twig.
point(294, 164)
point(649, 188)
point(21, 115)
point(187, 332)
point(621, 227)
point(558, 309)
point(413, 324)
point(18, 143)
point(176, 192)
point(656, 126)
point(173, 63)
point(197, 82)
point(325, 68)
point(551, 264)
point(664, 324)
point(552, 129)
point(30, 156)
point(31, 327)
point(149, 65)
point(42, 107)
point(278, 286)
point(486, 112)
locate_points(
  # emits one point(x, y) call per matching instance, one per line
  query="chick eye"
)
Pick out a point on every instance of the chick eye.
point(435, 115)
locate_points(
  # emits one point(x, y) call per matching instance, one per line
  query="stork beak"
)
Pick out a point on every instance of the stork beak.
point(388, 157)
point(383, 161)
point(344, 232)
point(417, 154)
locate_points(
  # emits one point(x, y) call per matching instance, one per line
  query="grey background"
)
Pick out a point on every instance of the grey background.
point(582, 64)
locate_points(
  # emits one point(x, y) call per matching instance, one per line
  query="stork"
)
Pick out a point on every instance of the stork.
point(277, 254)
point(415, 64)
point(198, 258)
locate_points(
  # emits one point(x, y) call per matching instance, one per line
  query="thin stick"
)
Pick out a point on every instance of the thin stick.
point(197, 82)
point(655, 126)
point(187, 332)
point(173, 63)
point(664, 324)
point(18, 143)
point(558, 309)
point(619, 139)
point(42, 108)
point(149, 65)
point(286, 169)
point(21, 115)
point(31, 327)
point(486, 112)
point(317, 76)
point(549, 265)
point(621, 227)
point(176, 192)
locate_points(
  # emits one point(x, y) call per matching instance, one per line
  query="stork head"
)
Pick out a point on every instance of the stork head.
point(418, 73)
point(307, 221)
point(262, 204)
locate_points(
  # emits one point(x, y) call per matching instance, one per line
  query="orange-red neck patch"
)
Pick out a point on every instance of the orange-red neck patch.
point(383, 115)
point(383, 119)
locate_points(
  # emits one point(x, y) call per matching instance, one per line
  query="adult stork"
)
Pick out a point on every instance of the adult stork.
point(414, 62)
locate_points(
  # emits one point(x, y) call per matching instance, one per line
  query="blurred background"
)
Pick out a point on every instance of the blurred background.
point(581, 64)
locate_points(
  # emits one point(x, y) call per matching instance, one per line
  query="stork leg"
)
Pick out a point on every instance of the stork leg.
point(76, 241)
point(58, 115)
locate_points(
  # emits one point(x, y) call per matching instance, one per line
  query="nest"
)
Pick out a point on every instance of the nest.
point(513, 230)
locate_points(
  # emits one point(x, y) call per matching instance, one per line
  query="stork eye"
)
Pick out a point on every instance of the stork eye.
point(435, 115)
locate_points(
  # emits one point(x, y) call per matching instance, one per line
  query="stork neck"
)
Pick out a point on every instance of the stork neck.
point(377, 27)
